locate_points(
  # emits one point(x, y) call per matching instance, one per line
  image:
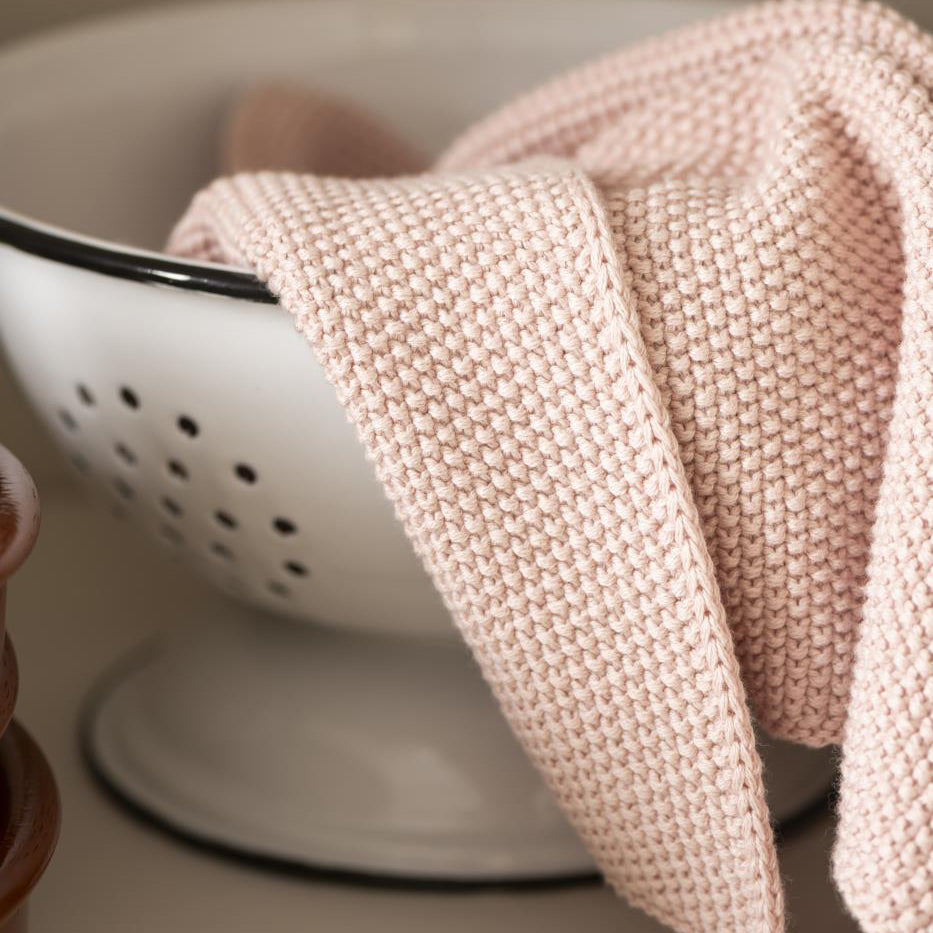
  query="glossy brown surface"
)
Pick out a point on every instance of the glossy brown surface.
point(29, 822)
point(29, 804)
point(19, 526)
point(19, 514)
point(9, 684)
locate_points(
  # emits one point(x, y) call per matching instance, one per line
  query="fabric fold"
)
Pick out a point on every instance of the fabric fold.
point(479, 332)
point(645, 364)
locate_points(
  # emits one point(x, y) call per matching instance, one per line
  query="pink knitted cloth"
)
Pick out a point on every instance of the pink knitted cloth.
point(646, 366)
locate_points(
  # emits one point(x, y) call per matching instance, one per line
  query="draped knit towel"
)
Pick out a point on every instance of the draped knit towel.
point(645, 363)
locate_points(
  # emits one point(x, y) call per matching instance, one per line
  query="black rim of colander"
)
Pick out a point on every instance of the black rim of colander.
point(136, 266)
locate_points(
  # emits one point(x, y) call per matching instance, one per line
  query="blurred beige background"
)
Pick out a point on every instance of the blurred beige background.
point(22, 17)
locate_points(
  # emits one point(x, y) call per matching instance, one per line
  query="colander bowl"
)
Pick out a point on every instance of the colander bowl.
point(361, 740)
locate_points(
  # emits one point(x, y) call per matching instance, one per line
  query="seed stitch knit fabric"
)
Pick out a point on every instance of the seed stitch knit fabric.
point(645, 363)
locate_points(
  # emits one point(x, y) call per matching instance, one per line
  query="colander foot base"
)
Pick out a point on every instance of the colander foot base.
point(375, 757)
point(371, 758)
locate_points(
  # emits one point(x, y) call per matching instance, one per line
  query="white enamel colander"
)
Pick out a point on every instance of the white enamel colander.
point(365, 741)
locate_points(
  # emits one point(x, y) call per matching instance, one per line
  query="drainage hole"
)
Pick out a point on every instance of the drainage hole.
point(225, 519)
point(123, 488)
point(80, 463)
point(85, 394)
point(278, 589)
point(124, 453)
point(171, 534)
point(284, 526)
point(177, 469)
point(296, 568)
point(170, 506)
point(245, 473)
point(188, 426)
point(67, 419)
point(221, 550)
point(129, 397)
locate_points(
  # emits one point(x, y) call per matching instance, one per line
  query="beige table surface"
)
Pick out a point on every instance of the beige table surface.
point(90, 592)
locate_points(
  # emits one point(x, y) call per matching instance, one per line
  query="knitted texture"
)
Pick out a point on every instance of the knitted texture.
point(646, 366)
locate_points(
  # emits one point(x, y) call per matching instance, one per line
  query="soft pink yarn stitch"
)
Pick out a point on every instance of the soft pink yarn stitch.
point(646, 366)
